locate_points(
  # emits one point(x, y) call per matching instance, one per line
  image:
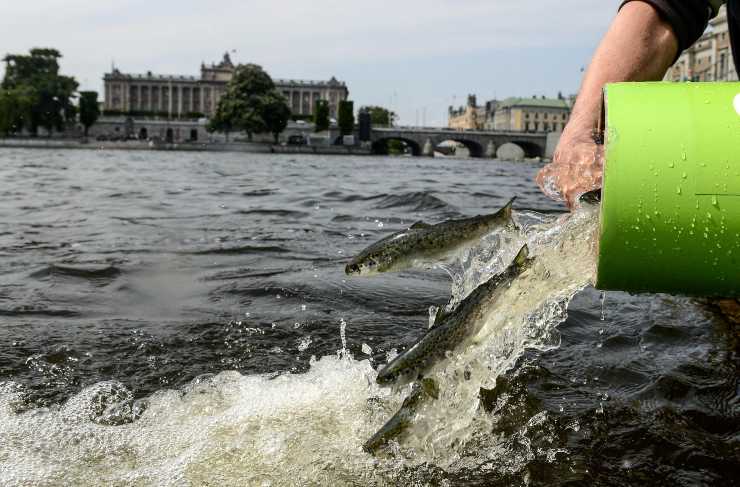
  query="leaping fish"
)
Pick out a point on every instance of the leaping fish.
point(400, 422)
point(423, 242)
point(453, 328)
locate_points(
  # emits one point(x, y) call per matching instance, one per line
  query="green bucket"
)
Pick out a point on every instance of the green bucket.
point(670, 209)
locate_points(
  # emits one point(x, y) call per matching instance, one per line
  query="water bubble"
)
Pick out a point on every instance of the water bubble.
point(304, 344)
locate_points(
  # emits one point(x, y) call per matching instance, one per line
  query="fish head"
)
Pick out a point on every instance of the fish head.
point(370, 263)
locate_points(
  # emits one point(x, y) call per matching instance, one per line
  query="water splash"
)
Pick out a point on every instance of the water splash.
point(301, 429)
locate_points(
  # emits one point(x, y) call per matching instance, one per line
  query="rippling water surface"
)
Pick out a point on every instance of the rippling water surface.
point(178, 319)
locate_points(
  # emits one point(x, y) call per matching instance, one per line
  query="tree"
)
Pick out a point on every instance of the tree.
point(89, 109)
point(346, 117)
point(250, 103)
point(276, 113)
point(222, 120)
point(50, 93)
point(15, 110)
point(379, 116)
point(321, 115)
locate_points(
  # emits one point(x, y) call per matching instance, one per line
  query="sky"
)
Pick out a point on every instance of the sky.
point(415, 56)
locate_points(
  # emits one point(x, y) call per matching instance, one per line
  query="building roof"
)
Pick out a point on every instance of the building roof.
point(118, 75)
point(534, 102)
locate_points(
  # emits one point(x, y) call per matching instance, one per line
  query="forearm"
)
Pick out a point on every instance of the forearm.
point(639, 46)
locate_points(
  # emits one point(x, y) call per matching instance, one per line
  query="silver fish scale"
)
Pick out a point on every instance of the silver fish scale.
point(454, 328)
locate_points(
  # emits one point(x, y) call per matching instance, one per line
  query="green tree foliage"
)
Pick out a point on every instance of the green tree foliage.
point(321, 115)
point(15, 109)
point(251, 103)
point(50, 94)
point(379, 116)
point(396, 147)
point(276, 113)
point(89, 109)
point(346, 117)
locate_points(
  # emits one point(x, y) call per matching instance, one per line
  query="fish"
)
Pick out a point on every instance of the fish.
point(422, 242)
point(452, 329)
point(421, 392)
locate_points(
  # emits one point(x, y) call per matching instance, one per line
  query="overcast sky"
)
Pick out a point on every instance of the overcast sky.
point(418, 56)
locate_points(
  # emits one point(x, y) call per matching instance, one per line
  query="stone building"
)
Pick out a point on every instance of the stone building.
point(531, 114)
point(182, 97)
point(469, 117)
point(710, 58)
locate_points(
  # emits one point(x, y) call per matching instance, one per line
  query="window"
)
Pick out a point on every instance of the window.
point(536, 116)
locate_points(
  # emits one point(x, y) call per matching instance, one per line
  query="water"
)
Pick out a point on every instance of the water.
point(204, 295)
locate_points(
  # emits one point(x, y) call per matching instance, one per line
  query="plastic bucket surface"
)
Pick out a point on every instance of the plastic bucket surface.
point(670, 211)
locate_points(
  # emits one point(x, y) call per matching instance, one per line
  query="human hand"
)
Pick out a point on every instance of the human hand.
point(576, 168)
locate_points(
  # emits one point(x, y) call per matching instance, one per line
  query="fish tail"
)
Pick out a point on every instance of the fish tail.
point(522, 256)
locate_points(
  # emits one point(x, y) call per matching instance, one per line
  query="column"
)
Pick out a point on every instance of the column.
point(179, 101)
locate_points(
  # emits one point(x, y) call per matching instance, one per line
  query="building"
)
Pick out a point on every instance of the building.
point(166, 96)
point(469, 117)
point(531, 114)
point(710, 58)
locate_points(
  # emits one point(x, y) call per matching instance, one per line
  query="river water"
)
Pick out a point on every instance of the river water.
point(184, 319)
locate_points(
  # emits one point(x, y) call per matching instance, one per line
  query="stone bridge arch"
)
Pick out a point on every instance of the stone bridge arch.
point(380, 146)
point(530, 149)
point(474, 147)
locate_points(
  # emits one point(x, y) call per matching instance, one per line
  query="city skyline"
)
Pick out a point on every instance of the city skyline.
point(418, 61)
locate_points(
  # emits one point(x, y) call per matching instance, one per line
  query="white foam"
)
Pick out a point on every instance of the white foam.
point(304, 429)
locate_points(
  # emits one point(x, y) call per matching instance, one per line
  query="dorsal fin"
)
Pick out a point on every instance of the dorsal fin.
point(506, 210)
point(522, 256)
point(419, 225)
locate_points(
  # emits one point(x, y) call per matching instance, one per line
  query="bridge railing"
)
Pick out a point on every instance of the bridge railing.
point(444, 130)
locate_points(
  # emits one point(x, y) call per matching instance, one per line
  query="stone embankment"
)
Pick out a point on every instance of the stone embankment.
point(43, 143)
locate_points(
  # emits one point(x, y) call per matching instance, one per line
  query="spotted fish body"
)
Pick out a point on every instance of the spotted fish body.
point(453, 328)
point(424, 242)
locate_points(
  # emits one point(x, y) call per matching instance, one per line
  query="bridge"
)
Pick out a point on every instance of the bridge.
point(424, 140)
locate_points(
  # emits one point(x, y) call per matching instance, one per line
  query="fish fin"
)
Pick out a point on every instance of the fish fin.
point(419, 225)
point(430, 387)
point(439, 316)
point(506, 210)
point(522, 256)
